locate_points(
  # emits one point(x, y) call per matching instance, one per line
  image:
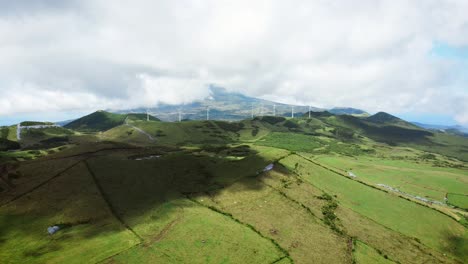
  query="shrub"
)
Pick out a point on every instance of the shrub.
point(290, 124)
point(255, 130)
point(231, 127)
point(6, 144)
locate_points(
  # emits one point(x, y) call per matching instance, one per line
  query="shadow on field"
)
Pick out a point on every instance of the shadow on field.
point(125, 183)
point(458, 246)
point(134, 186)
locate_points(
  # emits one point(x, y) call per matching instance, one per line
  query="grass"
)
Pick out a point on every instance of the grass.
point(34, 123)
point(459, 200)
point(42, 138)
point(308, 143)
point(97, 121)
point(351, 224)
point(183, 133)
point(281, 219)
point(420, 178)
point(151, 202)
point(197, 234)
point(391, 211)
point(294, 142)
point(203, 197)
point(72, 200)
point(365, 254)
point(446, 144)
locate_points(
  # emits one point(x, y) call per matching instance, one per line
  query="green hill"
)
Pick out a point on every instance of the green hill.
point(141, 116)
point(97, 121)
point(388, 119)
point(35, 123)
point(102, 121)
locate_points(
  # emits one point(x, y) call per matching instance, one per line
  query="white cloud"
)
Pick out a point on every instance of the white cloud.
point(169, 90)
point(99, 54)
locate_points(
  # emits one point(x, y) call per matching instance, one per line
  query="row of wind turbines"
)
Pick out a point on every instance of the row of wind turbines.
point(262, 113)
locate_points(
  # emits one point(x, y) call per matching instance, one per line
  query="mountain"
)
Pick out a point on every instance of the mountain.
point(457, 129)
point(385, 118)
point(97, 121)
point(223, 105)
point(102, 120)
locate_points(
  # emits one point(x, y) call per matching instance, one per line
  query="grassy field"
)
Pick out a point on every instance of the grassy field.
point(196, 234)
point(365, 254)
point(312, 144)
point(73, 202)
point(420, 178)
point(291, 226)
point(398, 214)
point(197, 192)
point(459, 200)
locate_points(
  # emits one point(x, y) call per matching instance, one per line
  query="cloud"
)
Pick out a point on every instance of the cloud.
point(169, 90)
point(95, 54)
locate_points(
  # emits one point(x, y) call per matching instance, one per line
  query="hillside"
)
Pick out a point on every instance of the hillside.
point(35, 123)
point(6, 144)
point(97, 121)
point(230, 106)
point(385, 118)
point(102, 121)
point(142, 117)
point(325, 189)
point(455, 130)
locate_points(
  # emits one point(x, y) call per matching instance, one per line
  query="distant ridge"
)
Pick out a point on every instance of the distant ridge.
point(232, 106)
point(348, 111)
point(456, 129)
point(385, 118)
point(382, 117)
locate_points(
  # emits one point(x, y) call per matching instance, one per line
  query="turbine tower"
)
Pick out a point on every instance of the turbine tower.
point(147, 115)
point(208, 113)
point(309, 111)
point(180, 116)
point(252, 110)
point(274, 110)
point(18, 131)
point(292, 111)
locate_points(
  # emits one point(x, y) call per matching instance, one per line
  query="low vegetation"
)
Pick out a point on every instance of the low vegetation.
point(267, 190)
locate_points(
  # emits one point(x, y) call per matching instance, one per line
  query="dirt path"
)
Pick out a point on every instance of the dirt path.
point(139, 130)
point(142, 132)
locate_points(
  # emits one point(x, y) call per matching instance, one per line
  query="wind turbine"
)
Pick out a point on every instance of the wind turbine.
point(309, 111)
point(274, 110)
point(147, 115)
point(292, 111)
point(208, 113)
point(180, 116)
point(18, 131)
point(252, 110)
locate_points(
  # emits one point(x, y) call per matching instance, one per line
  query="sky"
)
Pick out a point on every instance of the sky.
point(63, 58)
